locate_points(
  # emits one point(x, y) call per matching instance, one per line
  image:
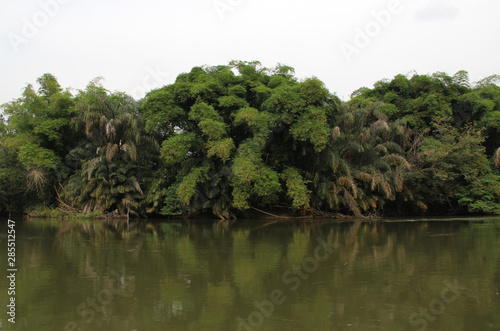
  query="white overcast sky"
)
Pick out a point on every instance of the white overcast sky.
point(140, 45)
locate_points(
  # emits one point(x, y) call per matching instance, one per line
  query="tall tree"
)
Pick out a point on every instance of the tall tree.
point(452, 173)
point(39, 132)
point(107, 178)
point(232, 133)
point(363, 166)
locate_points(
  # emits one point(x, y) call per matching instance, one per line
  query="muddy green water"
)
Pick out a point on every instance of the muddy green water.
point(251, 275)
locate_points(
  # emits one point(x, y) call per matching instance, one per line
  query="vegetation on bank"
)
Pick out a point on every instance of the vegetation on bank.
point(238, 139)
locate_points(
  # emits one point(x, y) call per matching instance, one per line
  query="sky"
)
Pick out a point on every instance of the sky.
point(137, 46)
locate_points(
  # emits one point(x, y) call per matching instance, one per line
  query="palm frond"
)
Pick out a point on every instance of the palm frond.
point(348, 183)
point(397, 159)
point(111, 150)
point(110, 130)
point(422, 205)
point(398, 179)
point(91, 166)
point(136, 185)
point(379, 126)
point(336, 133)
point(35, 180)
point(130, 150)
point(497, 157)
point(351, 203)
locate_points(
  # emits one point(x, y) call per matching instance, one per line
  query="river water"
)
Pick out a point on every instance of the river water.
point(421, 274)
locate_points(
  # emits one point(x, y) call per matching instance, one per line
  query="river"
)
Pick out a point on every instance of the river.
point(418, 274)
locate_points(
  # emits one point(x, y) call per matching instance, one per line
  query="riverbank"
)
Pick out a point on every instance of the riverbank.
point(57, 212)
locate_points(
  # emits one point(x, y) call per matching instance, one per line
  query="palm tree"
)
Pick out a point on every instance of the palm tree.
point(363, 166)
point(108, 179)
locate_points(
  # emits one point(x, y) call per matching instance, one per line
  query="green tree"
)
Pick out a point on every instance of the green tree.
point(39, 132)
point(233, 134)
point(12, 180)
point(420, 99)
point(452, 172)
point(363, 166)
point(108, 176)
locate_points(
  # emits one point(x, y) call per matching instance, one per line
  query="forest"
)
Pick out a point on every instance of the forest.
point(242, 140)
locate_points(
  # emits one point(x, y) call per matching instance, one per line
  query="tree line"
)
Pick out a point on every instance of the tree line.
point(238, 139)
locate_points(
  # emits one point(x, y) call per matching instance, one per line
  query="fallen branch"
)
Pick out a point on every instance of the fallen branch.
point(62, 204)
point(263, 212)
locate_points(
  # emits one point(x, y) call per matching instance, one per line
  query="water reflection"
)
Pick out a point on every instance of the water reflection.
point(225, 276)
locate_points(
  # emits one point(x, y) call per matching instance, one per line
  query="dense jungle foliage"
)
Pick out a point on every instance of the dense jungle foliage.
point(238, 139)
